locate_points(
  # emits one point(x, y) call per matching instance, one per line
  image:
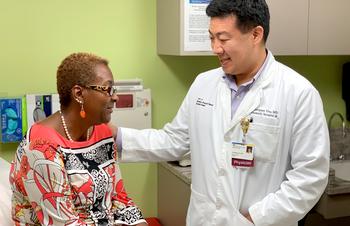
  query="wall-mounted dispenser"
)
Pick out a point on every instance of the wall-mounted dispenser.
point(346, 88)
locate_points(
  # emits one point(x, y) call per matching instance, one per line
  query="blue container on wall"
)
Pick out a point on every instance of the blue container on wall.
point(11, 119)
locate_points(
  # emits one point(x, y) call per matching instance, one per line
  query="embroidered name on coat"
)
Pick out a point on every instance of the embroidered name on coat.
point(202, 102)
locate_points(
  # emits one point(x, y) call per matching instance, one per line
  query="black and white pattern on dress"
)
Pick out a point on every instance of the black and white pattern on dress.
point(97, 163)
point(101, 182)
point(20, 148)
point(74, 163)
point(103, 218)
point(128, 215)
point(94, 161)
point(98, 154)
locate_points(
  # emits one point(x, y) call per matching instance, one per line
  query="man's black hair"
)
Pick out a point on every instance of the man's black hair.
point(249, 13)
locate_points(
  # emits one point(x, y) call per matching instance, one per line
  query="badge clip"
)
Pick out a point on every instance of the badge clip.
point(245, 123)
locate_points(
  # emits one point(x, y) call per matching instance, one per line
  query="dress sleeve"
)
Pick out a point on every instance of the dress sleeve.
point(125, 210)
point(46, 185)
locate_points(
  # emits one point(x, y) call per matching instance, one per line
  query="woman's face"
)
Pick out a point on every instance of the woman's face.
point(99, 104)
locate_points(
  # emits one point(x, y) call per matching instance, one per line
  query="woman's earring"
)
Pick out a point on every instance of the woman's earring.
point(82, 111)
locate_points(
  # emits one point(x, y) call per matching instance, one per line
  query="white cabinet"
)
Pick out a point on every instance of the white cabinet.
point(297, 27)
point(288, 27)
point(329, 27)
point(309, 27)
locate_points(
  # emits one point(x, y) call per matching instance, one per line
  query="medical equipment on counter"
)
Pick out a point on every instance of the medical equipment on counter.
point(133, 110)
point(185, 160)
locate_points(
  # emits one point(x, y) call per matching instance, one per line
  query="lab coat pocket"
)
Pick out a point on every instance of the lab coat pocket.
point(265, 140)
point(201, 209)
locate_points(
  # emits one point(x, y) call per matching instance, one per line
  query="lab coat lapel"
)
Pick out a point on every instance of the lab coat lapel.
point(252, 99)
point(250, 102)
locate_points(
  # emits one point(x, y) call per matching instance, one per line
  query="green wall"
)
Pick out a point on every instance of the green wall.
point(37, 35)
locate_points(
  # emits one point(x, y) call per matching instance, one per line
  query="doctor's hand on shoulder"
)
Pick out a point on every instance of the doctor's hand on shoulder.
point(114, 129)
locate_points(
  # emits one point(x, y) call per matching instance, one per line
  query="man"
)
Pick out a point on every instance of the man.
point(251, 102)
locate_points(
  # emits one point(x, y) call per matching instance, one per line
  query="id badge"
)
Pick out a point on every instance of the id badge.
point(242, 155)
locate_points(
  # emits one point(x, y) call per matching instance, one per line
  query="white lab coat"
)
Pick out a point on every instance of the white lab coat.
point(291, 141)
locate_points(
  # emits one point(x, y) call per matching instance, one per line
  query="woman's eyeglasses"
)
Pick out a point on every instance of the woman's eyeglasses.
point(110, 90)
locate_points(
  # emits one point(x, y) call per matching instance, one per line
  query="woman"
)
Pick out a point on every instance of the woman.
point(65, 170)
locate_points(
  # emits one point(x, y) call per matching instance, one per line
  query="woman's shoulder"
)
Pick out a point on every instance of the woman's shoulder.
point(40, 135)
point(103, 131)
point(39, 130)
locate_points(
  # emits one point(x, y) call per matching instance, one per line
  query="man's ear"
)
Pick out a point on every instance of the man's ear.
point(258, 34)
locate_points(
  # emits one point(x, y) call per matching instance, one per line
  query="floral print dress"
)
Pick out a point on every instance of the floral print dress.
point(60, 182)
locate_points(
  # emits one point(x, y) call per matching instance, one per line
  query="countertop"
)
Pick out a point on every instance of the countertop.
point(336, 185)
point(331, 205)
point(184, 173)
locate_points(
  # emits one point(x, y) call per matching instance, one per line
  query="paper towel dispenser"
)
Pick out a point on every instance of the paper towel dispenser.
point(346, 88)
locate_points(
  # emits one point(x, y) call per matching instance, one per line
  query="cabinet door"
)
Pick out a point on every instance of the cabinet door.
point(173, 198)
point(329, 27)
point(288, 27)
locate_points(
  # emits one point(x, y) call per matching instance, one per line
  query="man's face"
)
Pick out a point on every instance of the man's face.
point(232, 47)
